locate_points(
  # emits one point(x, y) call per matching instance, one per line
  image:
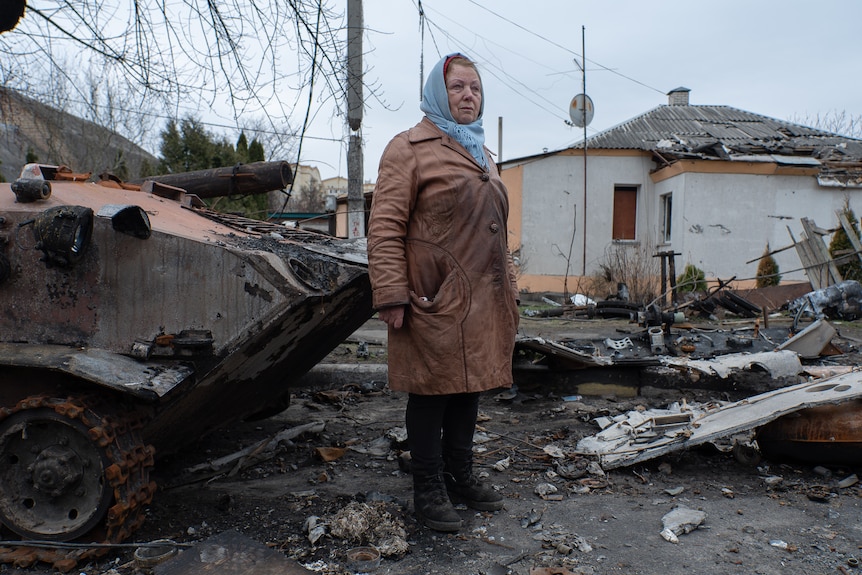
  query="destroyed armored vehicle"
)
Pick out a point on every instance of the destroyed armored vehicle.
point(135, 320)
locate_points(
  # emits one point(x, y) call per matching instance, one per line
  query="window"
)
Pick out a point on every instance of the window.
point(666, 216)
point(625, 212)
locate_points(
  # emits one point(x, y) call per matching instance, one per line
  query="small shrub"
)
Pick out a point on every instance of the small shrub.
point(767, 270)
point(692, 279)
point(633, 266)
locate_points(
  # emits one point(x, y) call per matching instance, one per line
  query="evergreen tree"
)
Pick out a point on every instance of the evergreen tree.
point(146, 170)
point(31, 158)
point(767, 270)
point(199, 149)
point(121, 170)
point(842, 250)
point(255, 151)
point(242, 148)
point(172, 160)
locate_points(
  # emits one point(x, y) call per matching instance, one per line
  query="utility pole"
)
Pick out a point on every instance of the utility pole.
point(355, 197)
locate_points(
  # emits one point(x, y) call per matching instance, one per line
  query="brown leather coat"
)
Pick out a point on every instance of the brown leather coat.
point(437, 243)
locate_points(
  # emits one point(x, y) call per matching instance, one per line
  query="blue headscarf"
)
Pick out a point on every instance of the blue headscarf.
point(435, 104)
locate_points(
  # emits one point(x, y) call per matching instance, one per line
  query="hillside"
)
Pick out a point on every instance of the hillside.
point(60, 138)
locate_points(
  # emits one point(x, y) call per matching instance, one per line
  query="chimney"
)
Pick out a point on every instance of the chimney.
point(678, 97)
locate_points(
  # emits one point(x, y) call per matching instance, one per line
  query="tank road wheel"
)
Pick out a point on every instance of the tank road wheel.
point(52, 482)
point(71, 468)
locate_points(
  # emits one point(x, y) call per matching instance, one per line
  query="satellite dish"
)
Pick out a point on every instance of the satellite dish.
point(581, 110)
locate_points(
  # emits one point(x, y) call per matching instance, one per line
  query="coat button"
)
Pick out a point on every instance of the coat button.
point(484, 177)
point(494, 228)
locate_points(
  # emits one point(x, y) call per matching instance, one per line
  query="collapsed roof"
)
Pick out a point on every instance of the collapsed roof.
point(681, 131)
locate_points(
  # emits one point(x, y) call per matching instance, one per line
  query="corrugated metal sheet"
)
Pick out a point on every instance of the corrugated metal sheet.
point(721, 131)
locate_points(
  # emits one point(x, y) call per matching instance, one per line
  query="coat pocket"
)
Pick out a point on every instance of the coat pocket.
point(435, 331)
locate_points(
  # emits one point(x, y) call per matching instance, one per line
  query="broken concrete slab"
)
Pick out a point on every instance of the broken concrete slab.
point(723, 421)
point(679, 521)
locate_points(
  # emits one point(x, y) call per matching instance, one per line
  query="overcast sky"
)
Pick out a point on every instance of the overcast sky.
point(787, 59)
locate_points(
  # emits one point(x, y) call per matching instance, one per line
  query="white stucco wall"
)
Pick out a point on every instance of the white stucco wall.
point(553, 210)
point(720, 220)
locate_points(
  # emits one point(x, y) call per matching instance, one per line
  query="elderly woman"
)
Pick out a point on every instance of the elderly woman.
point(444, 283)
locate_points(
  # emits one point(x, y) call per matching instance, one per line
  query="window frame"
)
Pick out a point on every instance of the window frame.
point(625, 213)
point(666, 215)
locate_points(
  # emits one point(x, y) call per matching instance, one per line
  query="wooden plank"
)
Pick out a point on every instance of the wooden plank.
point(820, 249)
point(809, 262)
point(805, 259)
point(813, 268)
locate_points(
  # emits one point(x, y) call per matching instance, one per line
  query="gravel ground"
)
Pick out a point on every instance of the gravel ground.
point(345, 475)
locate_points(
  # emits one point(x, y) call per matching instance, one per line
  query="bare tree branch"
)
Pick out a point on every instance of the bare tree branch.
point(270, 63)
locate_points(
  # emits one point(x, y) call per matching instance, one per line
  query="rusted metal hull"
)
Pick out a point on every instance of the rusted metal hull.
point(254, 178)
point(199, 322)
point(824, 434)
point(135, 319)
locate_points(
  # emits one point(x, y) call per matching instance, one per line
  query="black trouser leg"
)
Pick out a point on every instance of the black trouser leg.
point(424, 429)
point(440, 428)
point(459, 424)
point(425, 423)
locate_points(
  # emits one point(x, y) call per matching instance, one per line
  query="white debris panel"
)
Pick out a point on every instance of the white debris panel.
point(779, 364)
point(640, 436)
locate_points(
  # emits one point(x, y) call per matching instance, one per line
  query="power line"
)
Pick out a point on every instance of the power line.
point(602, 66)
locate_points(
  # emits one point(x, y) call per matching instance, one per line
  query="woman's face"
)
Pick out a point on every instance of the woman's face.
point(465, 93)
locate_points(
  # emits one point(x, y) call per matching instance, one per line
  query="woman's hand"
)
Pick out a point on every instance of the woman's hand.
point(393, 316)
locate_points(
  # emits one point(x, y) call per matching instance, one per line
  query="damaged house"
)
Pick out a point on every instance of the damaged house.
point(712, 184)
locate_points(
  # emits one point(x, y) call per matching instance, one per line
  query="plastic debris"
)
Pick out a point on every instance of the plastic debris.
point(848, 481)
point(581, 299)
point(619, 344)
point(315, 529)
point(534, 517)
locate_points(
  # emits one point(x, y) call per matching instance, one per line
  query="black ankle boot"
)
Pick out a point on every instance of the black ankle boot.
point(433, 507)
point(464, 487)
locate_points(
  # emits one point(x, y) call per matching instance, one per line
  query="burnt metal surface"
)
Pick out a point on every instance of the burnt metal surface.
point(823, 434)
point(81, 442)
point(254, 178)
point(146, 381)
point(195, 318)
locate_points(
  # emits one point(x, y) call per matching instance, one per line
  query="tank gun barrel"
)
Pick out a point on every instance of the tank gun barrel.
point(254, 178)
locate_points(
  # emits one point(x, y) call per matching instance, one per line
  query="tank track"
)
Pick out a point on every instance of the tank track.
point(128, 476)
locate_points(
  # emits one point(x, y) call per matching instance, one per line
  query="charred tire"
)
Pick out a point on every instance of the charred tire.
point(72, 467)
point(744, 304)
